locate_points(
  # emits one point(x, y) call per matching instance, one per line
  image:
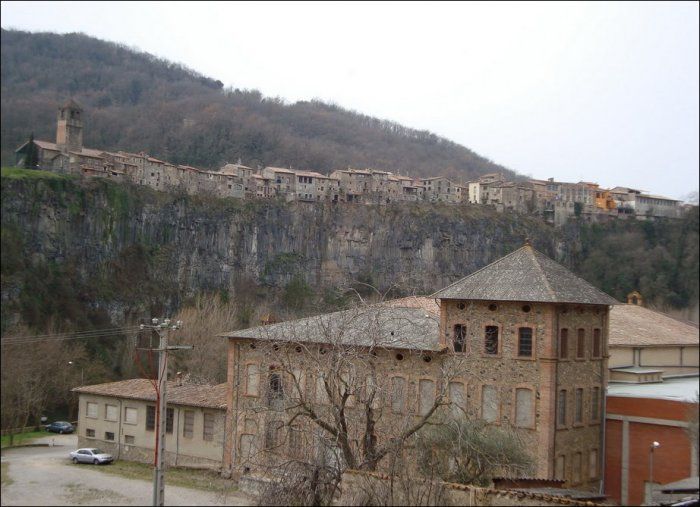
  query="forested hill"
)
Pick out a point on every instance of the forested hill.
point(135, 101)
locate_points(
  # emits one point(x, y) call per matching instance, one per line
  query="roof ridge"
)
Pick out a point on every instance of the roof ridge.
point(577, 277)
point(536, 260)
point(663, 314)
point(477, 271)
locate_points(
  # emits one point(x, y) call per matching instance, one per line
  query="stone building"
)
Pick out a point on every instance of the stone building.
point(521, 343)
point(119, 417)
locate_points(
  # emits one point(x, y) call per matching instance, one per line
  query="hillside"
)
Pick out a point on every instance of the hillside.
point(134, 101)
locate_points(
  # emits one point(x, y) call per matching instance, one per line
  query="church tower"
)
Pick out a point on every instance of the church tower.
point(69, 127)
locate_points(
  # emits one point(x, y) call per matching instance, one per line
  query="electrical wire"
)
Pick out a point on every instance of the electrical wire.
point(99, 333)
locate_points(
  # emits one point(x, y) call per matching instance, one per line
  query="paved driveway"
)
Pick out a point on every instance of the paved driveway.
point(45, 476)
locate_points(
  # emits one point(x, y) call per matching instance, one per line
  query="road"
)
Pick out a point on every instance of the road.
point(45, 476)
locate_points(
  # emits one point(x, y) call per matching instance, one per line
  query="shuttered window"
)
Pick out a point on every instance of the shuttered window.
point(581, 344)
point(150, 418)
point(525, 342)
point(595, 403)
point(578, 416)
point(564, 344)
point(427, 395)
point(524, 413)
point(489, 403)
point(111, 412)
point(188, 426)
point(91, 410)
point(130, 415)
point(596, 343)
point(561, 408)
point(208, 433)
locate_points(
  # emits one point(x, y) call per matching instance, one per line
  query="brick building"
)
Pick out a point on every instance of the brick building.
point(638, 415)
point(521, 343)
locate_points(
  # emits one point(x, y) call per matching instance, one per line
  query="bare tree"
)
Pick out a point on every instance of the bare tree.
point(328, 400)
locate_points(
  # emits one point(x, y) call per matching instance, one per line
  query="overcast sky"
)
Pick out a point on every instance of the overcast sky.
point(604, 92)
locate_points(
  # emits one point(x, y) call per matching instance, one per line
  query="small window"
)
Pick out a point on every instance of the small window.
point(208, 431)
point(111, 412)
point(593, 464)
point(564, 344)
point(129, 439)
point(491, 340)
point(524, 413)
point(130, 415)
point(561, 408)
point(493, 307)
point(426, 389)
point(578, 416)
point(253, 379)
point(91, 410)
point(109, 435)
point(150, 418)
point(461, 306)
point(595, 403)
point(581, 344)
point(526, 308)
point(169, 417)
point(525, 342)
point(460, 333)
point(596, 343)
point(90, 433)
point(188, 427)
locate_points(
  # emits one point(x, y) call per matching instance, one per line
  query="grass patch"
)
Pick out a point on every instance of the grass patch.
point(5, 474)
point(16, 173)
point(207, 480)
point(22, 438)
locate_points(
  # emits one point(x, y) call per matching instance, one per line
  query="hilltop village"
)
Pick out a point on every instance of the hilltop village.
point(553, 201)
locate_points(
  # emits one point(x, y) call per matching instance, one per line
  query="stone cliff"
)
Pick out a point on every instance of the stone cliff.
point(124, 242)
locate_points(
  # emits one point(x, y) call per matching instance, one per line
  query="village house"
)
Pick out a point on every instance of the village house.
point(523, 339)
point(119, 417)
point(441, 189)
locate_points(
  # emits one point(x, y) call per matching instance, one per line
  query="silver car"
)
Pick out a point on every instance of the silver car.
point(91, 455)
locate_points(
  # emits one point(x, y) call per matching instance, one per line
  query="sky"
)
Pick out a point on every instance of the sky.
point(603, 92)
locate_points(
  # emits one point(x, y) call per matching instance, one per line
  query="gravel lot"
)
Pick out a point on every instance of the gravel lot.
point(45, 476)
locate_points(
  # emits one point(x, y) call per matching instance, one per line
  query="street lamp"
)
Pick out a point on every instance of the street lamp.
point(653, 446)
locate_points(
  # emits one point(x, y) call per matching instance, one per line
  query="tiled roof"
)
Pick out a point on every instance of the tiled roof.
point(280, 170)
point(652, 196)
point(46, 145)
point(525, 275)
point(408, 323)
point(191, 395)
point(634, 325)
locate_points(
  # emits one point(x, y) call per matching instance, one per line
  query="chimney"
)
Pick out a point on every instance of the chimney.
point(178, 378)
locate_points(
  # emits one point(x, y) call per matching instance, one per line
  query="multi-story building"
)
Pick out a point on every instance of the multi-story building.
point(441, 189)
point(282, 180)
point(529, 339)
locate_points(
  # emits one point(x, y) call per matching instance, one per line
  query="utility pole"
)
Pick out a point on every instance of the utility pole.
point(163, 329)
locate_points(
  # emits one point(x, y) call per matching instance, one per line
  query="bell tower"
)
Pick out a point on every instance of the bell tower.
point(69, 127)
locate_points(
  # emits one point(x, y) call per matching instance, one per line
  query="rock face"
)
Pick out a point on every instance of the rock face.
point(120, 234)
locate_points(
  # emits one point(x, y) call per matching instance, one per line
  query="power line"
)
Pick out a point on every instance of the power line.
point(75, 333)
point(68, 336)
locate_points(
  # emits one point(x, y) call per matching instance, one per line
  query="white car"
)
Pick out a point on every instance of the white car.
point(91, 455)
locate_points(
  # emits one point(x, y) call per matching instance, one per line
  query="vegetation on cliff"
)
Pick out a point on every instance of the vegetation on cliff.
point(134, 101)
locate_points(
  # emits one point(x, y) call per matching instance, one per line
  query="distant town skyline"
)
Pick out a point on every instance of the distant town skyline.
point(604, 92)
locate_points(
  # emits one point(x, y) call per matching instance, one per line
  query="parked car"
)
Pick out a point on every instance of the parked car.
point(60, 427)
point(91, 455)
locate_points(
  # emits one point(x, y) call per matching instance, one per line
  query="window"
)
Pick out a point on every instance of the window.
point(491, 341)
point(576, 472)
point(564, 344)
point(273, 434)
point(489, 403)
point(560, 468)
point(593, 464)
point(457, 399)
point(109, 435)
point(111, 412)
point(129, 439)
point(524, 413)
point(561, 408)
point(169, 416)
point(398, 395)
point(321, 393)
point(578, 416)
point(91, 410)
point(89, 433)
point(581, 344)
point(525, 342)
point(426, 389)
point(130, 415)
point(150, 418)
point(460, 333)
point(208, 432)
point(275, 389)
point(252, 380)
point(595, 403)
point(596, 343)
point(188, 426)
